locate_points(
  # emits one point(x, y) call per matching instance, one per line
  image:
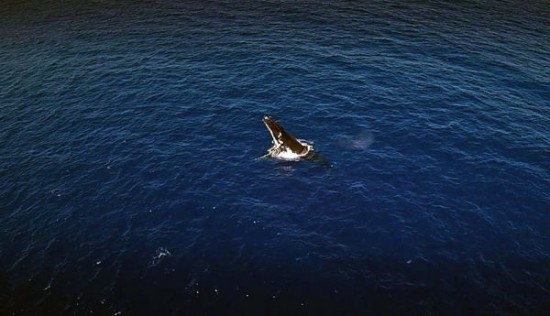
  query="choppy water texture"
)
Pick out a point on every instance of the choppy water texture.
point(130, 132)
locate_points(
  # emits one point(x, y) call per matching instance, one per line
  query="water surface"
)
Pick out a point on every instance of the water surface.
point(130, 132)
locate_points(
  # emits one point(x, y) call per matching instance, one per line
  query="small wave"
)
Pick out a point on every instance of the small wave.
point(160, 256)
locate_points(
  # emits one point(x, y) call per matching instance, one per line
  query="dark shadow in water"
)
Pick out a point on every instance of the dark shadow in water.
point(340, 287)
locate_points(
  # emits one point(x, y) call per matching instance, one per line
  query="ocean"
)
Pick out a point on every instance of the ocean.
point(132, 183)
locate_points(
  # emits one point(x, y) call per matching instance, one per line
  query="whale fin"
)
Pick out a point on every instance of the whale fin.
point(283, 140)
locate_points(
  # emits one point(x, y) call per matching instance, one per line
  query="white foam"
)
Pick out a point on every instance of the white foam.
point(289, 155)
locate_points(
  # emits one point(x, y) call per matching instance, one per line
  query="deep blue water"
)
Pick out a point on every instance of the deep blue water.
point(130, 132)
